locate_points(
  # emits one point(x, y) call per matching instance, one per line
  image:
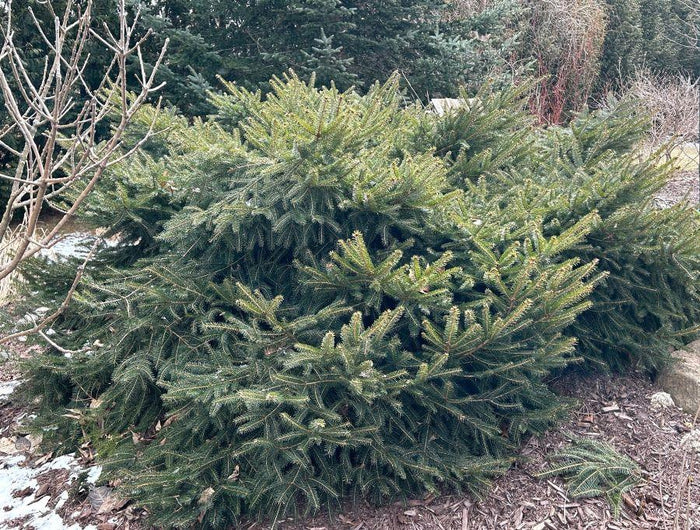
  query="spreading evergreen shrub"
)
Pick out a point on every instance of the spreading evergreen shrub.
point(349, 297)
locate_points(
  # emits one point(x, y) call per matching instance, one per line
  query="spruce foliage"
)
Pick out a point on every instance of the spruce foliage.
point(353, 43)
point(349, 297)
point(592, 469)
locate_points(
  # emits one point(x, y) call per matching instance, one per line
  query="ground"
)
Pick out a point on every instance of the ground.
point(615, 409)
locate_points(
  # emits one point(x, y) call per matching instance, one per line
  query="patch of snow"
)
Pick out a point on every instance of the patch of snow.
point(15, 476)
point(94, 474)
point(62, 462)
point(75, 245)
point(7, 388)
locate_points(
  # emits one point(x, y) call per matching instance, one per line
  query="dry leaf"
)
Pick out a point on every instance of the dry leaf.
point(206, 495)
point(97, 496)
point(7, 446)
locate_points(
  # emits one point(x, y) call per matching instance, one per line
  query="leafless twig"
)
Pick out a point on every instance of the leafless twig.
point(59, 150)
point(54, 118)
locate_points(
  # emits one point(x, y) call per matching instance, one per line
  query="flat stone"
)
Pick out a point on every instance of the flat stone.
point(682, 379)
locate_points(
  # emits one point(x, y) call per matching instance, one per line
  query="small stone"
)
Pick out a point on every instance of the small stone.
point(662, 400)
point(22, 443)
point(691, 441)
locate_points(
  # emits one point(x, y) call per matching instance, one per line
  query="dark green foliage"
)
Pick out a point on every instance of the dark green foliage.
point(349, 43)
point(346, 297)
point(592, 469)
point(650, 296)
point(660, 35)
point(623, 43)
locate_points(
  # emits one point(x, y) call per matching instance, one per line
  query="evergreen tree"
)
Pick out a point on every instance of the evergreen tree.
point(304, 331)
point(326, 62)
point(650, 298)
point(622, 49)
point(656, 34)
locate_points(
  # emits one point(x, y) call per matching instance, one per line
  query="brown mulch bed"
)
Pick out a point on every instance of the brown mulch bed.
point(519, 500)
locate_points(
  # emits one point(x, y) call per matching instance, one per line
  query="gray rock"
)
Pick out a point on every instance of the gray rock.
point(691, 441)
point(661, 400)
point(682, 379)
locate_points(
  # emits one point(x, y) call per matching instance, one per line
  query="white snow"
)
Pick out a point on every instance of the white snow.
point(14, 476)
point(7, 388)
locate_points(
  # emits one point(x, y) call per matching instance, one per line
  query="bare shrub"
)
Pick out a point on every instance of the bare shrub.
point(567, 40)
point(9, 241)
point(673, 103)
point(55, 150)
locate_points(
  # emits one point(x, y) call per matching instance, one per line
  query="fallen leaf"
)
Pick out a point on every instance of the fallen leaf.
point(41, 491)
point(21, 494)
point(234, 476)
point(35, 440)
point(7, 446)
point(112, 504)
point(206, 495)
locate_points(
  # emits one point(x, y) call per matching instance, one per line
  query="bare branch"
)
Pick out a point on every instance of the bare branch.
point(56, 143)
